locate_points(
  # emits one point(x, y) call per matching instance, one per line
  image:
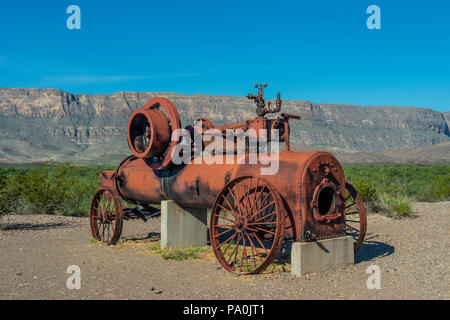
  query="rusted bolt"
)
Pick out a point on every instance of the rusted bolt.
point(309, 236)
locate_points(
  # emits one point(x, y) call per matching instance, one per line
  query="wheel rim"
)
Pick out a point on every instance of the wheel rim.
point(106, 217)
point(355, 216)
point(247, 225)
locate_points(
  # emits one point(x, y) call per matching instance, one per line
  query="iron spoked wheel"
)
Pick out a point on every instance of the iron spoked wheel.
point(247, 225)
point(355, 216)
point(106, 216)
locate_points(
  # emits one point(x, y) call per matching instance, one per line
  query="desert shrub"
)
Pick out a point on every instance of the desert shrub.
point(368, 193)
point(428, 183)
point(10, 195)
point(392, 189)
point(396, 206)
point(51, 188)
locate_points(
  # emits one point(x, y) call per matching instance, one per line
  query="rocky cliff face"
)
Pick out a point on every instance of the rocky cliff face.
point(447, 117)
point(39, 124)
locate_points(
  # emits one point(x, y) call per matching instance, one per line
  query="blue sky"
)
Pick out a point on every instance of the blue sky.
point(320, 51)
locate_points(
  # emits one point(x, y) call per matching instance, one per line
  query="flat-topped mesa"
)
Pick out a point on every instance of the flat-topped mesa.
point(38, 124)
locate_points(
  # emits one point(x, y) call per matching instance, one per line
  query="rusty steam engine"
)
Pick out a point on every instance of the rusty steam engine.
point(252, 215)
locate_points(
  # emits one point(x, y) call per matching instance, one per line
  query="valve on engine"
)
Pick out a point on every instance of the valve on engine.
point(261, 109)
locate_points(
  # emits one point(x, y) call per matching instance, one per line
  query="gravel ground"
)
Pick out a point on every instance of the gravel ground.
point(36, 250)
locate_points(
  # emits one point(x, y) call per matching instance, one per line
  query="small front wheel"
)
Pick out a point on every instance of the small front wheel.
point(106, 216)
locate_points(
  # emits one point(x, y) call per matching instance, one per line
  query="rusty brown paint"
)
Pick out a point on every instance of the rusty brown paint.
point(160, 127)
point(308, 191)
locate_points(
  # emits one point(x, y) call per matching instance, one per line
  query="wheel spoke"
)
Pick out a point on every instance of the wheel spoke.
point(242, 256)
point(222, 217)
point(229, 239)
point(234, 249)
point(226, 209)
point(270, 214)
point(352, 228)
point(257, 209)
point(226, 231)
point(258, 212)
point(246, 254)
point(229, 206)
point(237, 251)
point(257, 194)
point(260, 243)
point(262, 203)
point(240, 191)
point(355, 237)
point(103, 232)
point(247, 198)
point(260, 229)
point(258, 223)
point(235, 201)
point(253, 249)
point(350, 205)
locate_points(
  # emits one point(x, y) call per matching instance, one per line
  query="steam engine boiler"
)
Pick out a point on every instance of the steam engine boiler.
point(252, 214)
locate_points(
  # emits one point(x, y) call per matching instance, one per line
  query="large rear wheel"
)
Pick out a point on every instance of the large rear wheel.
point(247, 225)
point(355, 216)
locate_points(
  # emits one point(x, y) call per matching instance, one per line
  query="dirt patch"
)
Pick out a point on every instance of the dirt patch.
point(36, 251)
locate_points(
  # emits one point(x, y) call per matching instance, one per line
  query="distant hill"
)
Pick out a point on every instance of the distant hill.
point(39, 124)
point(438, 153)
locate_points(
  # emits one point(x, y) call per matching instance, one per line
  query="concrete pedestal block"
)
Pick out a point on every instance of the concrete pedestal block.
point(182, 227)
point(321, 255)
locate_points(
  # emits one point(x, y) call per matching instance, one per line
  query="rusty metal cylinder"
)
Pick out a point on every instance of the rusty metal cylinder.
point(197, 185)
point(148, 133)
point(193, 185)
point(308, 182)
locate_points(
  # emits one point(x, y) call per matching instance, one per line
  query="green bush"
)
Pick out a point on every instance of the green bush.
point(10, 195)
point(392, 189)
point(368, 194)
point(11, 199)
point(51, 188)
point(428, 183)
point(396, 206)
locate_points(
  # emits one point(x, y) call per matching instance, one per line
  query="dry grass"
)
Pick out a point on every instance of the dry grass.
point(152, 246)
